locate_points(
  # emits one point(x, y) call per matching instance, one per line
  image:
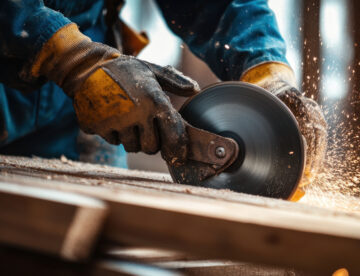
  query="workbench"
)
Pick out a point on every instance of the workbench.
point(59, 216)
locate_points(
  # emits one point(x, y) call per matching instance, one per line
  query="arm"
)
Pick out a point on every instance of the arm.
point(240, 40)
point(24, 27)
point(230, 36)
point(115, 96)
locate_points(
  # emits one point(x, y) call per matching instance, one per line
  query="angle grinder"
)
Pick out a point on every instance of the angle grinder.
point(241, 138)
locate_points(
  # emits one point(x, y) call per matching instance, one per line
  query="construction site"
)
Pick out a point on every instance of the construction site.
point(153, 137)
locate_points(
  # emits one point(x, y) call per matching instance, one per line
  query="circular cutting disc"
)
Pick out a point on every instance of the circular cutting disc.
point(271, 157)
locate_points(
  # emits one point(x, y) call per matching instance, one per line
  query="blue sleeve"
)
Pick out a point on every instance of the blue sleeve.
point(25, 25)
point(230, 36)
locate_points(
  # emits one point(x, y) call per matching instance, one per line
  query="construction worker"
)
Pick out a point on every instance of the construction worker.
point(48, 48)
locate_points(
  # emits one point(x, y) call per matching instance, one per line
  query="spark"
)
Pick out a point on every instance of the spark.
point(337, 186)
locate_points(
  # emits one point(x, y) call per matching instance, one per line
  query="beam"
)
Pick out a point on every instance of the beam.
point(311, 48)
point(254, 230)
point(49, 221)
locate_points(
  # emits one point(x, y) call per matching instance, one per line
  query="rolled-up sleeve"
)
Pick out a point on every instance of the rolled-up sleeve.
point(25, 25)
point(230, 36)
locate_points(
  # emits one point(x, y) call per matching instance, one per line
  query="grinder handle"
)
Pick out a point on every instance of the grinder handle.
point(210, 148)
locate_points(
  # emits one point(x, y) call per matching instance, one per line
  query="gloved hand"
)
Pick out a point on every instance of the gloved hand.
point(118, 97)
point(279, 80)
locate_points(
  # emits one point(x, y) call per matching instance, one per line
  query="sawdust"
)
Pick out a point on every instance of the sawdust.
point(118, 180)
point(338, 185)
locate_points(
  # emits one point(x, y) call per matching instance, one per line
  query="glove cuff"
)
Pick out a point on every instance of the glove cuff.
point(270, 76)
point(61, 42)
point(69, 57)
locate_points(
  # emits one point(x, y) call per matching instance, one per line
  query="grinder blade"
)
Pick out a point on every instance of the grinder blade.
point(272, 156)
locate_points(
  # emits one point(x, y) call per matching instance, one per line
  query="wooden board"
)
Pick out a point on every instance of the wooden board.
point(117, 178)
point(226, 268)
point(49, 221)
point(311, 46)
point(192, 265)
point(141, 254)
point(21, 262)
point(213, 224)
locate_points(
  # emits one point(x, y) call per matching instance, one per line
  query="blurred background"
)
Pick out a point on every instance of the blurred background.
point(322, 39)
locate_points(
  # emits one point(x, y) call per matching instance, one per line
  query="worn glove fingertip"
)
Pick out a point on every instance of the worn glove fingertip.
point(174, 141)
point(173, 81)
point(177, 158)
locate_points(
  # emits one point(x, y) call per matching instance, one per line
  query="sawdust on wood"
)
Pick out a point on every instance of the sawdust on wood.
point(118, 179)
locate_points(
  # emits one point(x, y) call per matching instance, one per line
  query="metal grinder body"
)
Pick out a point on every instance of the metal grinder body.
point(241, 138)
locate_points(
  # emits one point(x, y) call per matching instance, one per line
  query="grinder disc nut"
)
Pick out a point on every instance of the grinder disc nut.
point(220, 152)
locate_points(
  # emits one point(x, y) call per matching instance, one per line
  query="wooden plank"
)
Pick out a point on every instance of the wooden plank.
point(191, 265)
point(311, 48)
point(353, 7)
point(352, 102)
point(227, 268)
point(141, 254)
point(117, 178)
point(252, 229)
point(236, 232)
point(121, 267)
point(22, 262)
point(49, 221)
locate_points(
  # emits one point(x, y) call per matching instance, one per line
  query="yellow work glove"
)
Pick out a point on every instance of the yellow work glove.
point(279, 79)
point(118, 97)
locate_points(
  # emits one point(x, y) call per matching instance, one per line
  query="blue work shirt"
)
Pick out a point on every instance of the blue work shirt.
point(38, 119)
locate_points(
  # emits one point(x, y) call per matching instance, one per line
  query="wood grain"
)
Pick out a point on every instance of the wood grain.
point(146, 210)
point(117, 178)
point(227, 268)
point(49, 221)
point(22, 262)
point(192, 265)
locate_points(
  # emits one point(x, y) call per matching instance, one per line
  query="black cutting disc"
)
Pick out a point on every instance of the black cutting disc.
point(271, 158)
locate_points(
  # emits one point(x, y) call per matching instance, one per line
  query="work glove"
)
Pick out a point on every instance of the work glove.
point(118, 97)
point(279, 80)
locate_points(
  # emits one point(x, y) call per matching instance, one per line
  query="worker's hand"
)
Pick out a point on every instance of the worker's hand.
point(279, 80)
point(118, 97)
point(312, 126)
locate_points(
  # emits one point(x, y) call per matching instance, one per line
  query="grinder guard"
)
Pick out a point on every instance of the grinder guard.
point(270, 157)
